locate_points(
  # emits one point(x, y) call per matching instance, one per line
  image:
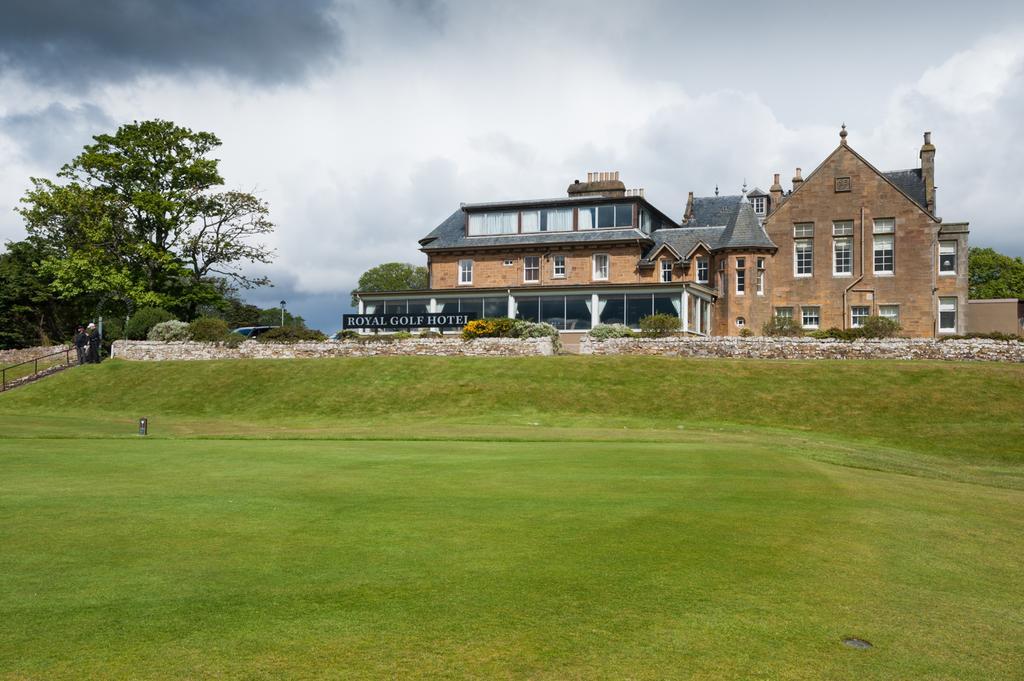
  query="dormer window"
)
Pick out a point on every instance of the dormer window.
point(482, 224)
point(702, 269)
point(760, 205)
point(602, 217)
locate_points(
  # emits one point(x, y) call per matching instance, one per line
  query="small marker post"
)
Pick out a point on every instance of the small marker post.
point(143, 426)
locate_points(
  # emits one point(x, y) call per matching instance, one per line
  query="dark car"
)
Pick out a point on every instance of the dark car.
point(252, 332)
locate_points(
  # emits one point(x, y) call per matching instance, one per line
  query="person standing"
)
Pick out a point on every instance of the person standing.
point(94, 344)
point(81, 344)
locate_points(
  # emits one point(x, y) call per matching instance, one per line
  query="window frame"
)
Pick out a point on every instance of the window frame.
point(875, 251)
point(741, 276)
point(848, 242)
point(706, 262)
point(760, 205)
point(463, 270)
point(783, 312)
point(804, 310)
point(607, 266)
point(854, 316)
point(666, 271)
point(527, 268)
point(956, 256)
point(556, 265)
point(894, 306)
point(808, 244)
point(955, 310)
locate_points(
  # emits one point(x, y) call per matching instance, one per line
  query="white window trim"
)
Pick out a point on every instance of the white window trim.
point(895, 305)
point(525, 268)
point(804, 325)
point(707, 269)
point(466, 283)
point(663, 270)
point(796, 272)
point(554, 267)
point(608, 266)
point(741, 271)
point(760, 281)
point(883, 273)
point(956, 259)
point(853, 323)
point(835, 261)
point(955, 311)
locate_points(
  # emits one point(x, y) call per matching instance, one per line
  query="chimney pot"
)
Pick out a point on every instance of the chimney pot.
point(776, 180)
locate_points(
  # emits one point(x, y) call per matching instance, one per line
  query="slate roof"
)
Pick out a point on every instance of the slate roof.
point(683, 239)
point(451, 234)
point(744, 230)
point(911, 183)
point(711, 211)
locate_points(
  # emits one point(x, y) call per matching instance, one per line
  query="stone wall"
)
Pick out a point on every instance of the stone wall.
point(480, 347)
point(8, 357)
point(808, 348)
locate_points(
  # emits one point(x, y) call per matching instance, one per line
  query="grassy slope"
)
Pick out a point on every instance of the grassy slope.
point(614, 544)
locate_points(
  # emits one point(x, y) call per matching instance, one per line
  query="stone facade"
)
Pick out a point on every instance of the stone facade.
point(749, 237)
point(846, 189)
point(809, 348)
point(187, 350)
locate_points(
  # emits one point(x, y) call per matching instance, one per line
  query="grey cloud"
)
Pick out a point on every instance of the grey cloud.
point(50, 137)
point(73, 44)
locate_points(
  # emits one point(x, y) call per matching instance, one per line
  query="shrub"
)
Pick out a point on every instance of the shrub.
point(658, 325)
point(605, 331)
point(347, 334)
point(991, 335)
point(144, 319)
point(524, 329)
point(171, 330)
point(402, 335)
point(427, 333)
point(781, 326)
point(290, 334)
point(233, 340)
point(746, 333)
point(879, 327)
point(208, 329)
point(492, 327)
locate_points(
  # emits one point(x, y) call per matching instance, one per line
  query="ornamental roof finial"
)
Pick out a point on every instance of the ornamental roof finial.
point(842, 134)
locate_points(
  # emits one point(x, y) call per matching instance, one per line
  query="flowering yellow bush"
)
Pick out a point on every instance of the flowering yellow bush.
point(479, 328)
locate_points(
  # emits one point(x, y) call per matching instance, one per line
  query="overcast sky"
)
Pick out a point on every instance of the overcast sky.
point(364, 124)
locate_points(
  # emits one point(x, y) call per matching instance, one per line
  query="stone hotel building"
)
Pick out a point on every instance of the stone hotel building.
point(844, 243)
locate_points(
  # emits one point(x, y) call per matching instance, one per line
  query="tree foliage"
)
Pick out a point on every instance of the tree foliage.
point(135, 220)
point(993, 275)
point(392, 276)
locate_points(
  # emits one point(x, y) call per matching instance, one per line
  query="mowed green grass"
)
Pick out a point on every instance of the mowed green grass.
point(542, 518)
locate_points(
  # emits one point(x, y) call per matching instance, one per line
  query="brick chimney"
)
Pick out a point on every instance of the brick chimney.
point(928, 171)
point(797, 180)
point(599, 184)
point(776, 191)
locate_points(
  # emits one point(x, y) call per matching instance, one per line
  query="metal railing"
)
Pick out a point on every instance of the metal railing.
point(35, 366)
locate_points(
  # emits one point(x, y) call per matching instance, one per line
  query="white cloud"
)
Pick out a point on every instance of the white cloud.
point(359, 162)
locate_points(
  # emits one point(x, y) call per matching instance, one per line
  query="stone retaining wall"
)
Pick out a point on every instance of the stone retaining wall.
point(809, 348)
point(8, 357)
point(187, 350)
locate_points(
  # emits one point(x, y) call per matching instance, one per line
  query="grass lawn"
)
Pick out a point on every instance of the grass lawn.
point(543, 518)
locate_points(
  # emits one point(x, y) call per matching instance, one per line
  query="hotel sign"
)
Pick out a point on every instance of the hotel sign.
point(403, 321)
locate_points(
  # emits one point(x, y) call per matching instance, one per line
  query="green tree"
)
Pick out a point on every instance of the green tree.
point(29, 312)
point(135, 218)
point(993, 275)
point(392, 276)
